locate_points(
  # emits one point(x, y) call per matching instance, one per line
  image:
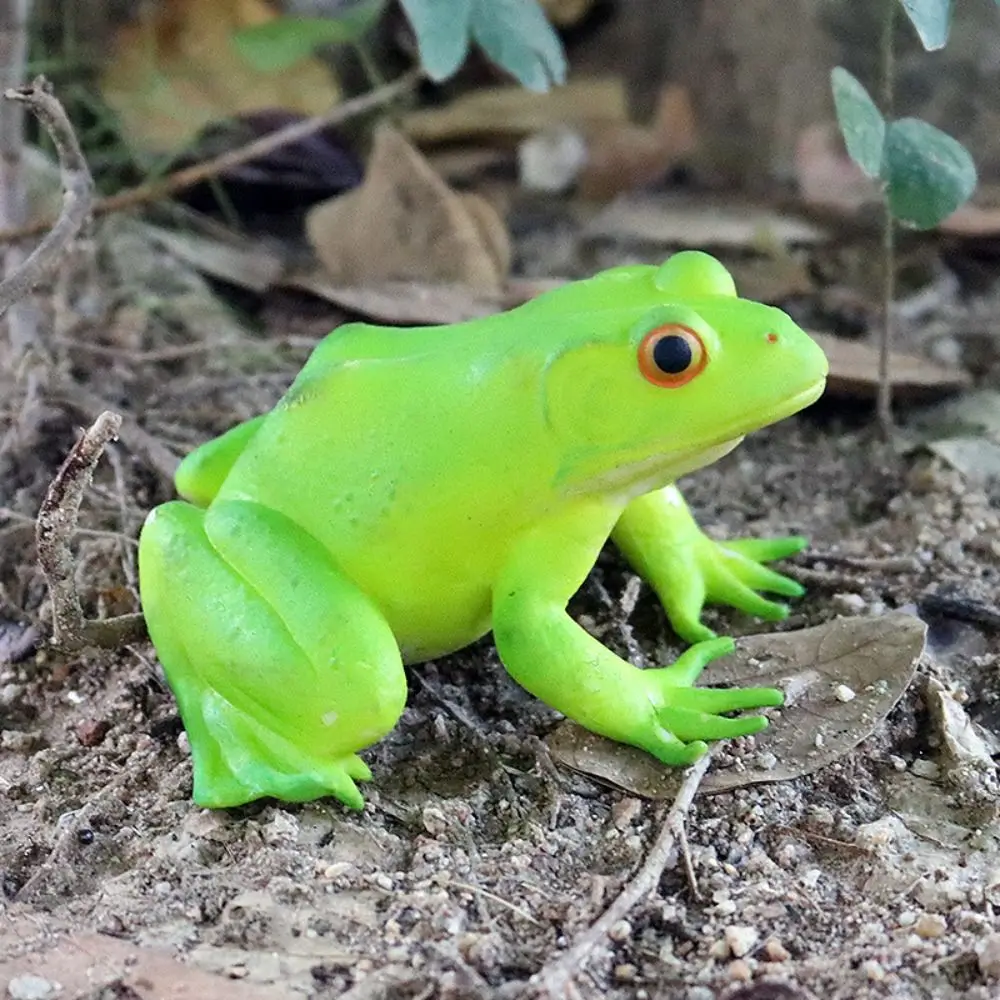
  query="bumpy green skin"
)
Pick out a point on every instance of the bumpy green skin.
point(416, 488)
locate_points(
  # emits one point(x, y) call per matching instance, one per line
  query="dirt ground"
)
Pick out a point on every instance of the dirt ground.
point(479, 858)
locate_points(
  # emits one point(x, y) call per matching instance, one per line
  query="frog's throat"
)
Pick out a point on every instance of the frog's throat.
point(655, 471)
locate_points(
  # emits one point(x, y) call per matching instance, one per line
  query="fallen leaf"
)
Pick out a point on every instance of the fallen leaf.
point(871, 659)
point(175, 69)
point(242, 262)
point(405, 223)
point(400, 303)
point(854, 371)
point(627, 157)
point(512, 112)
point(86, 964)
point(676, 222)
point(964, 431)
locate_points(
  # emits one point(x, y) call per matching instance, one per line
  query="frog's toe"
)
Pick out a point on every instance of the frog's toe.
point(669, 750)
point(689, 725)
point(764, 550)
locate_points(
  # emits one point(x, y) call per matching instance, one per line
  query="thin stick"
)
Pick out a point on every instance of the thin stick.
point(78, 194)
point(555, 978)
point(174, 183)
point(56, 524)
point(884, 399)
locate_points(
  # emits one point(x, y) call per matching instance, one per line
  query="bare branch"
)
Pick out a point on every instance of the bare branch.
point(556, 978)
point(57, 519)
point(78, 193)
point(182, 179)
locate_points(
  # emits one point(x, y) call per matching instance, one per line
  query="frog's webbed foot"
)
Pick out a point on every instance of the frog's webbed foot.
point(688, 570)
point(281, 667)
point(686, 716)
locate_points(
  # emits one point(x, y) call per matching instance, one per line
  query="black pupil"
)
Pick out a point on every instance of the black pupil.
point(672, 355)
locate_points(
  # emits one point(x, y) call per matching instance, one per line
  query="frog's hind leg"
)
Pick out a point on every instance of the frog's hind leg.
point(281, 667)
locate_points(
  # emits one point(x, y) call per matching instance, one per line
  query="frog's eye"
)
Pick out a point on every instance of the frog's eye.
point(671, 355)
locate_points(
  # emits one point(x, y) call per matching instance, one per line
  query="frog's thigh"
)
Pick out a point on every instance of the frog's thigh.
point(281, 667)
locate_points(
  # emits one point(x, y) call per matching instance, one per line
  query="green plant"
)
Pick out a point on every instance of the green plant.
point(924, 174)
point(514, 34)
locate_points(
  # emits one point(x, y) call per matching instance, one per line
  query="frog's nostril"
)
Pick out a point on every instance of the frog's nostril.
point(772, 338)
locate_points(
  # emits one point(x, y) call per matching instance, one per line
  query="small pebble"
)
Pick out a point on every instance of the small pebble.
point(740, 971)
point(624, 812)
point(91, 732)
point(740, 939)
point(873, 971)
point(775, 951)
point(843, 693)
point(852, 603)
point(925, 768)
point(626, 972)
point(383, 881)
point(620, 931)
point(988, 952)
point(29, 987)
point(930, 925)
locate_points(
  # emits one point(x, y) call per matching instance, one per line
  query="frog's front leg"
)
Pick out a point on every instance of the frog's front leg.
point(548, 653)
point(281, 667)
point(687, 569)
point(203, 471)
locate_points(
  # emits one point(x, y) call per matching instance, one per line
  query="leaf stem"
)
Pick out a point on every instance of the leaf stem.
point(888, 71)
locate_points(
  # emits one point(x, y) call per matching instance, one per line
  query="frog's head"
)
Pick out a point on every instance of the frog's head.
point(665, 369)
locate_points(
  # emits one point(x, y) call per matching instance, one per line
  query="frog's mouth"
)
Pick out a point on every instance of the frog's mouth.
point(654, 471)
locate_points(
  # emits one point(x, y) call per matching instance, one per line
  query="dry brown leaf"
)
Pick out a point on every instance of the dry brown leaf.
point(175, 69)
point(840, 681)
point(510, 113)
point(854, 371)
point(681, 222)
point(85, 964)
point(405, 224)
point(625, 157)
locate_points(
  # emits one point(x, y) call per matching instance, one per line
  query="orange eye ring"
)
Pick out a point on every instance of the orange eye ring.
point(671, 355)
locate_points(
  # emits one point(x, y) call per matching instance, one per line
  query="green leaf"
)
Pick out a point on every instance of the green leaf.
point(861, 122)
point(928, 174)
point(515, 34)
point(442, 30)
point(281, 43)
point(932, 19)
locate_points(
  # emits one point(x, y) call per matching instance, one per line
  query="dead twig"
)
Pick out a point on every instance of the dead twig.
point(56, 524)
point(78, 194)
point(179, 181)
point(555, 979)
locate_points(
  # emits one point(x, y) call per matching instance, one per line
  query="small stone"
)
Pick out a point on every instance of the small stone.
point(383, 881)
point(337, 869)
point(91, 732)
point(740, 971)
point(620, 931)
point(624, 812)
point(775, 951)
point(29, 987)
point(930, 925)
point(9, 694)
point(988, 951)
point(282, 829)
point(700, 993)
point(925, 768)
point(626, 972)
point(726, 908)
point(434, 820)
point(851, 603)
point(740, 939)
point(843, 693)
point(873, 971)
point(719, 950)
point(907, 918)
